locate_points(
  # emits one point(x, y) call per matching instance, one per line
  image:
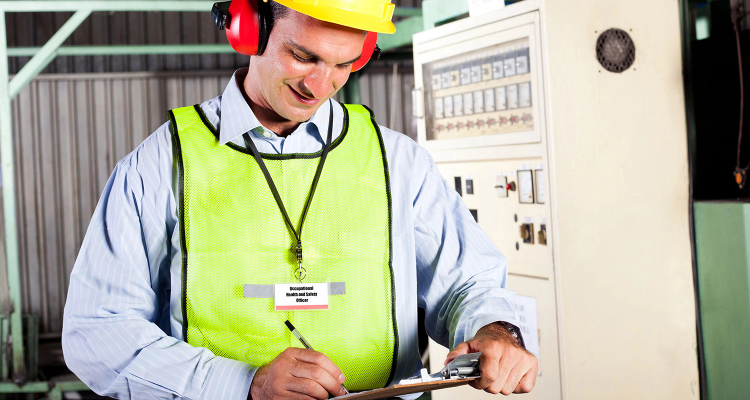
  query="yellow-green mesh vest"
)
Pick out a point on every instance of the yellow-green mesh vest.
point(232, 233)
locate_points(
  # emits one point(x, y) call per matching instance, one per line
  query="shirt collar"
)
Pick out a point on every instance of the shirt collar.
point(237, 117)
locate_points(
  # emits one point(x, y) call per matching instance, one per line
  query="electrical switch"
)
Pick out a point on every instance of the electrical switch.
point(527, 233)
point(475, 214)
point(512, 186)
point(457, 182)
point(502, 186)
point(542, 234)
point(469, 185)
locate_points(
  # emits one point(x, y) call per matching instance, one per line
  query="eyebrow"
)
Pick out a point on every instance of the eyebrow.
point(313, 55)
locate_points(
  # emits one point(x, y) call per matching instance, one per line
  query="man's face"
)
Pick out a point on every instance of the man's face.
point(305, 63)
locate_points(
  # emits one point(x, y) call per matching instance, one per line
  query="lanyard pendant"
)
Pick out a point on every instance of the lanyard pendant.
point(300, 273)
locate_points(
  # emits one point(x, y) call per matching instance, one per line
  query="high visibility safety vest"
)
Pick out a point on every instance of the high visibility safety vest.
point(233, 233)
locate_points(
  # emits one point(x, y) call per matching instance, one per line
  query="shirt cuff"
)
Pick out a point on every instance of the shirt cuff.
point(228, 379)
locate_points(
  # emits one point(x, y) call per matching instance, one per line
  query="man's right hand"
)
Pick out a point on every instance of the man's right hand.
point(297, 374)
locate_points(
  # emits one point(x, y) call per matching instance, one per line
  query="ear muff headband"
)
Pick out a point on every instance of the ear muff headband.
point(248, 27)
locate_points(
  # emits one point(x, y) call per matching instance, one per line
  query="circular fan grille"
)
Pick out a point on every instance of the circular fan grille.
point(615, 50)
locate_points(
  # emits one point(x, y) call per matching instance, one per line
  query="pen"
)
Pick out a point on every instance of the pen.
point(298, 335)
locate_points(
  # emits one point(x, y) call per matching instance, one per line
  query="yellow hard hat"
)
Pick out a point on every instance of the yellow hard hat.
point(367, 15)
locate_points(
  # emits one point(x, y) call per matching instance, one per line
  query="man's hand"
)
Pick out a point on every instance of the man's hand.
point(297, 374)
point(506, 367)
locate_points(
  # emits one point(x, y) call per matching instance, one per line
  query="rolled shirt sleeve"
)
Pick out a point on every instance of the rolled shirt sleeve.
point(461, 273)
point(116, 329)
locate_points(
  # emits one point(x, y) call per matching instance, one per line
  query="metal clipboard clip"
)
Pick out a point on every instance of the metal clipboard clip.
point(462, 367)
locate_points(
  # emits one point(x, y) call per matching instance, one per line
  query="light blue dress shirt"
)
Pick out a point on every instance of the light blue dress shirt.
point(122, 329)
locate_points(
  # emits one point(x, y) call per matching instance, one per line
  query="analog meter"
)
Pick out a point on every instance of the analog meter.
point(526, 186)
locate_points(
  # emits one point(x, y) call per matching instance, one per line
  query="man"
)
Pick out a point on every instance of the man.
point(166, 297)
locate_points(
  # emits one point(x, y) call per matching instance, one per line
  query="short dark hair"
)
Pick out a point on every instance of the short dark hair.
point(278, 11)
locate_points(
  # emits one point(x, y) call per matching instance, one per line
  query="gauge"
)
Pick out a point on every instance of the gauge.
point(489, 100)
point(439, 107)
point(458, 105)
point(478, 102)
point(526, 186)
point(468, 103)
point(524, 94)
point(500, 99)
point(539, 190)
point(512, 91)
point(448, 106)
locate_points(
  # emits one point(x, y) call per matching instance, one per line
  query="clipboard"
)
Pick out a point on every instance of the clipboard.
point(462, 370)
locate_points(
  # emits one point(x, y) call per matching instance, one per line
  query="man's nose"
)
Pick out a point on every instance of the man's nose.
point(319, 82)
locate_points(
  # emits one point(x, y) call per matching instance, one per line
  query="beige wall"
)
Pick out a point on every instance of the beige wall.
point(618, 152)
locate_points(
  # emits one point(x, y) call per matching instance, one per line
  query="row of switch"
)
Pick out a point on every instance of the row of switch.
point(480, 101)
point(480, 67)
point(526, 228)
point(480, 123)
point(528, 193)
point(527, 234)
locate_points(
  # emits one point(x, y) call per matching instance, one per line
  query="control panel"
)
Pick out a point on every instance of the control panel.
point(480, 114)
point(507, 198)
point(483, 92)
point(520, 114)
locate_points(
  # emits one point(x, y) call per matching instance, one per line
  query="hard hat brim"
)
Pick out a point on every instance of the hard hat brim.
point(348, 18)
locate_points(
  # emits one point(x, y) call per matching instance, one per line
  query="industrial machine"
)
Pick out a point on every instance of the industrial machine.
point(562, 125)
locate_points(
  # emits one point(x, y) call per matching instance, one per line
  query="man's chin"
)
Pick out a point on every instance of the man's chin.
point(301, 114)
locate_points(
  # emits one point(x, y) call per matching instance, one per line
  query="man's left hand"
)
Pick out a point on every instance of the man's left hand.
point(506, 367)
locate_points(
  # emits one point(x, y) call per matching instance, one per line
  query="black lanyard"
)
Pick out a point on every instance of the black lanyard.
point(300, 273)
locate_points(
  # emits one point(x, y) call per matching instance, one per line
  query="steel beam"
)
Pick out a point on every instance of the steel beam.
point(120, 5)
point(126, 50)
point(136, 5)
point(46, 54)
point(31, 387)
point(9, 211)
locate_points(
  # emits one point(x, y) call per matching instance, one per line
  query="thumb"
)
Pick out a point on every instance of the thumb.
point(462, 348)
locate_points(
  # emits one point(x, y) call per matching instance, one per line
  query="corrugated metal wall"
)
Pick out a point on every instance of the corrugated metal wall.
point(120, 28)
point(69, 132)
point(71, 129)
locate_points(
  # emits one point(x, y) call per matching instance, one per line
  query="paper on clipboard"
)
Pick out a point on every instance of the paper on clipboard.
point(460, 371)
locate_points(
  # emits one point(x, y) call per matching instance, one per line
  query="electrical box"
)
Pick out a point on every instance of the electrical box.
point(579, 176)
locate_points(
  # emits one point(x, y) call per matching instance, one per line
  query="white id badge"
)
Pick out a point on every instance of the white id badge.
point(300, 296)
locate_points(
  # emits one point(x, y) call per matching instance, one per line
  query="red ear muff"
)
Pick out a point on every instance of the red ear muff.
point(246, 27)
point(368, 51)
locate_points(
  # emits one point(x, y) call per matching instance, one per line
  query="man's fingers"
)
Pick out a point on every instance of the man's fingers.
point(306, 387)
point(489, 365)
point(319, 375)
point(462, 348)
point(320, 359)
point(297, 396)
point(514, 378)
point(504, 369)
point(527, 382)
